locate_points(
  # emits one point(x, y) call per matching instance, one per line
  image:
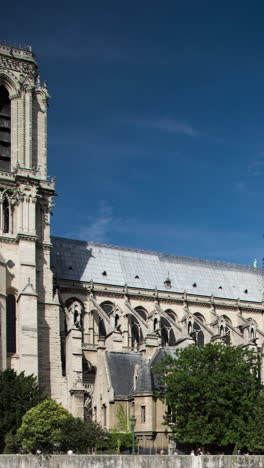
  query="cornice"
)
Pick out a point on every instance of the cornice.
point(25, 236)
point(78, 287)
point(8, 239)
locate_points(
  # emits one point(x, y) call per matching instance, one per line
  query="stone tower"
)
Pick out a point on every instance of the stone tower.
point(27, 306)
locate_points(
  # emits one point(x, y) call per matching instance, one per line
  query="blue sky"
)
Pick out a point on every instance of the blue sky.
point(155, 122)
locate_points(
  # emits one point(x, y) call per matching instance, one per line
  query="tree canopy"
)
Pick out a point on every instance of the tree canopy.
point(211, 392)
point(50, 427)
point(18, 393)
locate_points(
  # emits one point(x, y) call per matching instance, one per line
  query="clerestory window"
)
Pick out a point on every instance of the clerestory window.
point(5, 129)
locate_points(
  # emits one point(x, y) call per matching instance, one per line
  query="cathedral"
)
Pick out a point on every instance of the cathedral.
point(91, 320)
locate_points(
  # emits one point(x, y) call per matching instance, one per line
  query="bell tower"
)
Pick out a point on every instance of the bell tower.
point(25, 203)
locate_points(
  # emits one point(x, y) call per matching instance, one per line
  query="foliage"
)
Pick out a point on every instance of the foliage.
point(81, 435)
point(42, 427)
point(122, 416)
point(120, 441)
point(116, 442)
point(211, 391)
point(18, 393)
point(120, 438)
point(254, 440)
point(49, 427)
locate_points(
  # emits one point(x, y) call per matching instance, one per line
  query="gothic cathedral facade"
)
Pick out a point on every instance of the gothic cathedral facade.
point(91, 320)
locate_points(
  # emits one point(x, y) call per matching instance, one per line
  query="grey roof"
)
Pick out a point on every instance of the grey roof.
point(159, 354)
point(107, 264)
point(145, 380)
point(121, 368)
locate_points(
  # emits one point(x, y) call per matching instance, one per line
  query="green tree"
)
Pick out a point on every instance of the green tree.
point(50, 427)
point(18, 393)
point(82, 436)
point(254, 440)
point(120, 437)
point(211, 391)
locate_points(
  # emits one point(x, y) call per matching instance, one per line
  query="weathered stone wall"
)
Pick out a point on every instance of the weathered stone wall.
point(142, 461)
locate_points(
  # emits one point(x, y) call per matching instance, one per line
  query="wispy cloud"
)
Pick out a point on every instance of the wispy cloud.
point(98, 229)
point(196, 241)
point(169, 126)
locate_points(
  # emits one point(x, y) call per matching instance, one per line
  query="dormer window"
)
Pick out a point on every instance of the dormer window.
point(5, 127)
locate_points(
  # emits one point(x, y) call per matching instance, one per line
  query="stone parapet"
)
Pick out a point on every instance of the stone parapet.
point(130, 461)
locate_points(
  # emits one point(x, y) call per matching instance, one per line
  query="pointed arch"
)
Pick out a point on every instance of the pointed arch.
point(252, 328)
point(5, 129)
point(142, 312)
point(195, 329)
point(10, 83)
point(74, 310)
point(5, 214)
point(107, 307)
point(224, 329)
point(171, 314)
point(135, 332)
point(167, 333)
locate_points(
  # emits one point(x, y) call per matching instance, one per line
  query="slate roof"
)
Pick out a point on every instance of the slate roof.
point(112, 265)
point(122, 365)
point(159, 354)
point(121, 369)
point(145, 380)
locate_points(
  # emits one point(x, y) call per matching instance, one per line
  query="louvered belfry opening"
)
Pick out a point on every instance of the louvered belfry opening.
point(5, 126)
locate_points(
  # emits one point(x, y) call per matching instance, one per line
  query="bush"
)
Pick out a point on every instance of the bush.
point(50, 428)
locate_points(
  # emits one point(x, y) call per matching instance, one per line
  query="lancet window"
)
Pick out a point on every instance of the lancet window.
point(224, 329)
point(74, 313)
point(11, 324)
point(167, 334)
point(5, 127)
point(6, 215)
point(195, 329)
point(136, 336)
point(198, 333)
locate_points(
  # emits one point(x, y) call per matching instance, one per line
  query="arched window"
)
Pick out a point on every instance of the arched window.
point(195, 329)
point(171, 314)
point(198, 334)
point(5, 115)
point(167, 334)
point(88, 372)
point(136, 336)
point(142, 312)
point(6, 215)
point(74, 310)
point(107, 307)
point(224, 329)
point(11, 323)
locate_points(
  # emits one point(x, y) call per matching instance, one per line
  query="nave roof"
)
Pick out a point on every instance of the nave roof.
point(112, 265)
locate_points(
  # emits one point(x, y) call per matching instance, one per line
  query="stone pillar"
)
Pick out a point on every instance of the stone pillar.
point(28, 330)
